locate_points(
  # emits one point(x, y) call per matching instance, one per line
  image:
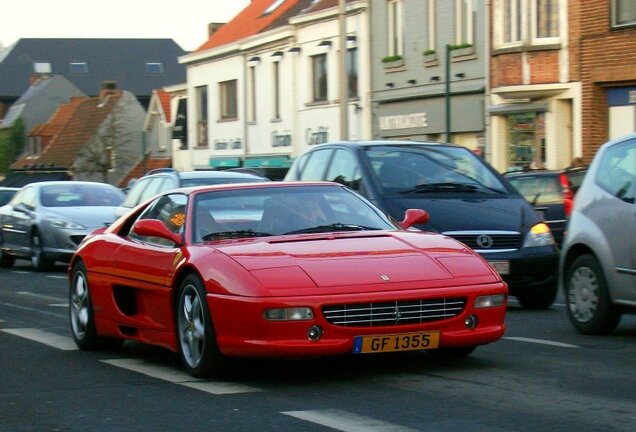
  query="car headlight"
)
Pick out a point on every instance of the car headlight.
point(539, 235)
point(63, 223)
point(489, 301)
point(288, 314)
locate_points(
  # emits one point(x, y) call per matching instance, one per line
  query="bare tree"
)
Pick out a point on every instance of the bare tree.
point(113, 147)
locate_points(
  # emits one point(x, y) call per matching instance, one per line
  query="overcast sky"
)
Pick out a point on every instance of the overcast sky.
point(184, 21)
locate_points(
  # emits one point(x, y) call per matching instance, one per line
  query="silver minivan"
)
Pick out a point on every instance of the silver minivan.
point(598, 261)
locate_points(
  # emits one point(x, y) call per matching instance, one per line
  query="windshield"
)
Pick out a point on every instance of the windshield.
point(428, 169)
point(283, 210)
point(204, 181)
point(85, 195)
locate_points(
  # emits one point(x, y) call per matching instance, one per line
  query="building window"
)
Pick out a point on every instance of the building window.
point(431, 26)
point(545, 21)
point(42, 67)
point(352, 72)
point(35, 147)
point(464, 22)
point(111, 158)
point(526, 137)
point(154, 68)
point(276, 89)
point(251, 93)
point(78, 67)
point(229, 109)
point(623, 13)
point(319, 68)
point(202, 116)
point(396, 28)
point(511, 21)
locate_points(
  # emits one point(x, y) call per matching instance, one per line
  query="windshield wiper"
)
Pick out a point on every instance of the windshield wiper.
point(331, 227)
point(442, 187)
point(234, 234)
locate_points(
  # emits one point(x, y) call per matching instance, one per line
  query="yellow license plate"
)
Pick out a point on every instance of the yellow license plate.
point(395, 342)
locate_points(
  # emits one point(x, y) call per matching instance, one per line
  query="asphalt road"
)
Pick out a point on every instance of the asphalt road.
point(543, 376)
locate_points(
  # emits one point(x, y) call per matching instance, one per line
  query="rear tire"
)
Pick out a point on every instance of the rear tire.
point(82, 315)
point(197, 339)
point(5, 260)
point(540, 299)
point(589, 305)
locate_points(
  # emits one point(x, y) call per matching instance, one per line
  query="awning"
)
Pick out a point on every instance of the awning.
point(268, 162)
point(19, 179)
point(518, 108)
point(225, 162)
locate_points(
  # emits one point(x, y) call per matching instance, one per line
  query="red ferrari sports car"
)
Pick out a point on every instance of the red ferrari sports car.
point(279, 269)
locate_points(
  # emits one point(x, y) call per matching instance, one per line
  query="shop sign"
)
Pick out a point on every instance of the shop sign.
point(404, 121)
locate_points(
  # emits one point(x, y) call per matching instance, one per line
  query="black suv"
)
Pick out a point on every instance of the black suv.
point(465, 197)
point(163, 179)
point(551, 193)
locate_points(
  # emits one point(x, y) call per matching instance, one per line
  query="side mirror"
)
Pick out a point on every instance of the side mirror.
point(155, 228)
point(414, 217)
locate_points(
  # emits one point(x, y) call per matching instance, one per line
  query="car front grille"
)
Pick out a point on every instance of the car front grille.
point(393, 313)
point(488, 241)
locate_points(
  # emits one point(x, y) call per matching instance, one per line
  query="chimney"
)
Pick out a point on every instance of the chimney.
point(213, 28)
point(108, 88)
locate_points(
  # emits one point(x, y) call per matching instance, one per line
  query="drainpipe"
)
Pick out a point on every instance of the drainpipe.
point(447, 94)
point(344, 94)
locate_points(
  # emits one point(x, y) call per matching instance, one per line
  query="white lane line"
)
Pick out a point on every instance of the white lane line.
point(62, 305)
point(39, 296)
point(47, 338)
point(345, 421)
point(20, 272)
point(175, 376)
point(57, 277)
point(542, 341)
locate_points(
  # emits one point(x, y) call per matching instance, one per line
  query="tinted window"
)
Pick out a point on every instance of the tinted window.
point(407, 168)
point(169, 209)
point(540, 190)
point(618, 171)
point(73, 195)
point(344, 169)
point(316, 164)
point(5, 196)
point(202, 181)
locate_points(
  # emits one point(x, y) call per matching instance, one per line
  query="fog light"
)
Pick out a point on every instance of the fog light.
point(471, 321)
point(489, 301)
point(289, 314)
point(314, 333)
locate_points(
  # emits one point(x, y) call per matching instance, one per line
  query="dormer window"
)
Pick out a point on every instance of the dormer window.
point(78, 67)
point(273, 7)
point(42, 67)
point(154, 67)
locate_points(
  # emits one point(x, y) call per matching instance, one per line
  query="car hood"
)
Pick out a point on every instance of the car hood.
point(87, 216)
point(461, 214)
point(357, 262)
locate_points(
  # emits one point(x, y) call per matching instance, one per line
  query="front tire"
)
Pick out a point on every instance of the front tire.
point(39, 261)
point(197, 339)
point(589, 305)
point(82, 315)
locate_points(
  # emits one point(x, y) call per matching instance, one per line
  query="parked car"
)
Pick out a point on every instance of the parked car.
point(164, 179)
point(45, 222)
point(598, 263)
point(279, 269)
point(6, 193)
point(551, 193)
point(466, 198)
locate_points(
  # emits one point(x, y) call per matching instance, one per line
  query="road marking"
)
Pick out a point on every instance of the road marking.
point(20, 272)
point(64, 343)
point(40, 296)
point(63, 305)
point(57, 277)
point(345, 421)
point(167, 373)
point(542, 341)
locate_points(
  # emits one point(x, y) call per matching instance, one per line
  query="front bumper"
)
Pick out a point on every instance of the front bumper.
point(242, 331)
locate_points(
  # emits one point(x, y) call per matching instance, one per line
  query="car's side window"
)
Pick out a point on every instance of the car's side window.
point(169, 209)
point(344, 169)
point(617, 171)
point(315, 166)
point(152, 189)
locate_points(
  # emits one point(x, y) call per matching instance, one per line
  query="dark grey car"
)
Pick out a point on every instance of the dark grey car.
point(466, 198)
point(46, 221)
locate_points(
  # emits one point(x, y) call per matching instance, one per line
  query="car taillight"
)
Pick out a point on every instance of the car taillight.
point(568, 195)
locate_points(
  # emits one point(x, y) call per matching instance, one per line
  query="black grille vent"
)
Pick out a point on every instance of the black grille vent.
point(497, 241)
point(393, 313)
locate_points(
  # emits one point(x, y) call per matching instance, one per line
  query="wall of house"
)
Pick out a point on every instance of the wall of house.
point(607, 65)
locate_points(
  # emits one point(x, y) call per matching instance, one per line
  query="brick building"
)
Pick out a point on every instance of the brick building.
point(607, 70)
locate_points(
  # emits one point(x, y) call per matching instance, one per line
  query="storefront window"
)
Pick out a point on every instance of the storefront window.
point(526, 140)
